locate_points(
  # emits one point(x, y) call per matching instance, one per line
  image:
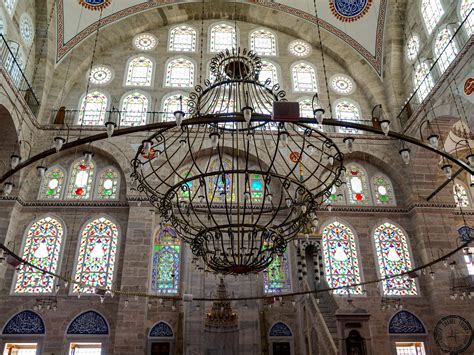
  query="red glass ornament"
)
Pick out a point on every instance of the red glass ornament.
point(79, 191)
point(359, 197)
point(83, 167)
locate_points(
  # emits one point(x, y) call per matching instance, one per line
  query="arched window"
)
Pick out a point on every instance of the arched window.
point(341, 261)
point(93, 108)
point(41, 248)
point(134, 109)
point(263, 42)
point(25, 323)
point(3, 25)
point(423, 81)
point(88, 323)
point(222, 37)
point(161, 330)
point(80, 180)
point(256, 187)
point(357, 185)
point(336, 195)
point(221, 187)
point(10, 6)
point(173, 103)
point(180, 73)
point(460, 194)
point(394, 258)
point(182, 39)
point(139, 72)
point(346, 110)
point(413, 47)
point(108, 184)
point(306, 108)
point(96, 256)
point(52, 184)
point(382, 190)
point(465, 12)
point(280, 329)
point(304, 77)
point(268, 71)
point(445, 49)
point(166, 257)
point(276, 277)
point(431, 13)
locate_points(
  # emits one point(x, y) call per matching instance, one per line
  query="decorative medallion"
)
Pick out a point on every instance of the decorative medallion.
point(405, 322)
point(145, 42)
point(161, 329)
point(90, 323)
point(349, 10)
point(453, 334)
point(342, 84)
point(469, 86)
point(299, 48)
point(26, 322)
point(280, 329)
point(95, 5)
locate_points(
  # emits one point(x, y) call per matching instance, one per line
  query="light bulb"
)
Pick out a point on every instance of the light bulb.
point(405, 153)
point(110, 127)
point(448, 171)
point(318, 114)
point(146, 146)
point(269, 198)
point(434, 140)
point(247, 111)
point(349, 143)
point(40, 171)
point(183, 143)
point(331, 160)
point(385, 125)
point(7, 188)
point(58, 143)
point(14, 160)
point(214, 139)
point(179, 115)
point(284, 137)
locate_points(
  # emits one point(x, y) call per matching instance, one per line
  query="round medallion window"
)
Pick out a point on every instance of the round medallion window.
point(145, 42)
point(342, 84)
point(26, 29)
point(299, 48)
point(101, 75)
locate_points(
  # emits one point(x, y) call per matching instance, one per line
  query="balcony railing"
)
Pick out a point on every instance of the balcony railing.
point(415, 101)
point(9, 59)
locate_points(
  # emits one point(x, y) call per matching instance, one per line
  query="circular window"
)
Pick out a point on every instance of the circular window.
point(342, 84)
point(145, 42)
point(26, 29)
point(101, 75)
point(299, 48)
point(412, 48)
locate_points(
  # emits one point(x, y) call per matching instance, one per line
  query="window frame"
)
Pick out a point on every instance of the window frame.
point(152, 75)
point(209, 35)
point(194, 69)
point(316, 83)
point(359, 119)
point(69, 177)
point(79, 110)
point(451, 44)
point(423, 17)
point(427, 78)
point(378, 173)
point(275, 39)
point(129, 93)
point(169, 95)
point(196, 44)
point(63, 189)
point(97, 179)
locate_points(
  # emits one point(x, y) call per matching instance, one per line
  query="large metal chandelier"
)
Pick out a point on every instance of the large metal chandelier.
point(237, 185)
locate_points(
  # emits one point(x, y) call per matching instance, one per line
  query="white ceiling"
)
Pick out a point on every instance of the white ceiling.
point(365, 34)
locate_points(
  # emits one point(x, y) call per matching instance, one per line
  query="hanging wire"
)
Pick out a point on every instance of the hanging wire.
point(201, 40)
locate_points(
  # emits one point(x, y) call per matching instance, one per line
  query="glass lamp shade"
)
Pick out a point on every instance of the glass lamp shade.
point(58, 143)
point(14, 160)
point(247, 112)
point(349, 141)
point(179, 115)
point(434, 140)
point(405, 153)
point(385, 125)
point(318, 114)
point(110, 126)
point(40, 171)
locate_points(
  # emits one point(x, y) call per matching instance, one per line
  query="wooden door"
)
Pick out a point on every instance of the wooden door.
point(281, 348)
point(160, 348)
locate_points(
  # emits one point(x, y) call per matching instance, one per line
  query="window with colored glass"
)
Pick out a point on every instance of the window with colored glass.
point(180, 73)
point(134, 110)
point(276, 277)
point(80, 180)
point(182, 39)
point(93, 109)
point(166, 262)
point(52, 184)
point(357, 185)
point(139, 72)
point(382, 190)
point(108, 184)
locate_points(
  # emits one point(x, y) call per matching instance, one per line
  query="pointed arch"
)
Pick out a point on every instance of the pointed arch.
point(445, 48)
point(182, 38)
point(358, 191)
point(52, 183)
point(161, 329)
point(175, 101)
point(81, 178)
point(303, 77)
point(88, 323)
point(422, 80)
point(393, 258)
point(166, 262)
point(280, 329)
point(139, 72)
point(382, 190)
point(25, 323)
point(431, 13)
point(180, 73)
point(108, 184)
point(461, 194)
point(92, 108)
point(341, 259)
point(134, 108)
point(346, 109)
point(42, 245)
point(263, 42)
point(95, 261)
point(222, 36)
point(404, 322)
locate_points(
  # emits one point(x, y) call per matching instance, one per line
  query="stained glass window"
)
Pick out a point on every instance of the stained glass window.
point(221, 186)
point(108, 184)
point(431, 12)
point(299, 48)
point(347, 111)
point(460, 195)
point(465, 10)
point(166, 262)
point(222, 37)
point(139, 72)
point(382, 190)
point(341, 262)
point(52, 184)
point(26, 29)
point(93, 108)
point(3, 27)
point(256, 187)
point(423, 80)
point(263, 42)
point(10, 6)
point(182, 39)
point(394, 258)
point(268, 71)
point(134, 109)
point(42, 247)
point(173, 103)
point(413, 47)
point(96, 257)
point(304, 77)
point(101, 75)
point(80, 180)
point(342, 84)
point(357, 185)
point(336, 196)
point(306, 108)
point(145, 42)
point(276, 278)
point(180, 73)
point(445, 50)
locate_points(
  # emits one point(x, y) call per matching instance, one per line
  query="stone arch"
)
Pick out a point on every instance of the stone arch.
point(405, 322)
point(24, 323)
point(280, 329)
point(161, 329)
point(89, 322)
point(280, 335)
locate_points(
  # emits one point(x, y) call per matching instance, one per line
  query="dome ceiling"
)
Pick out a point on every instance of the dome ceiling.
point(359, 23)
